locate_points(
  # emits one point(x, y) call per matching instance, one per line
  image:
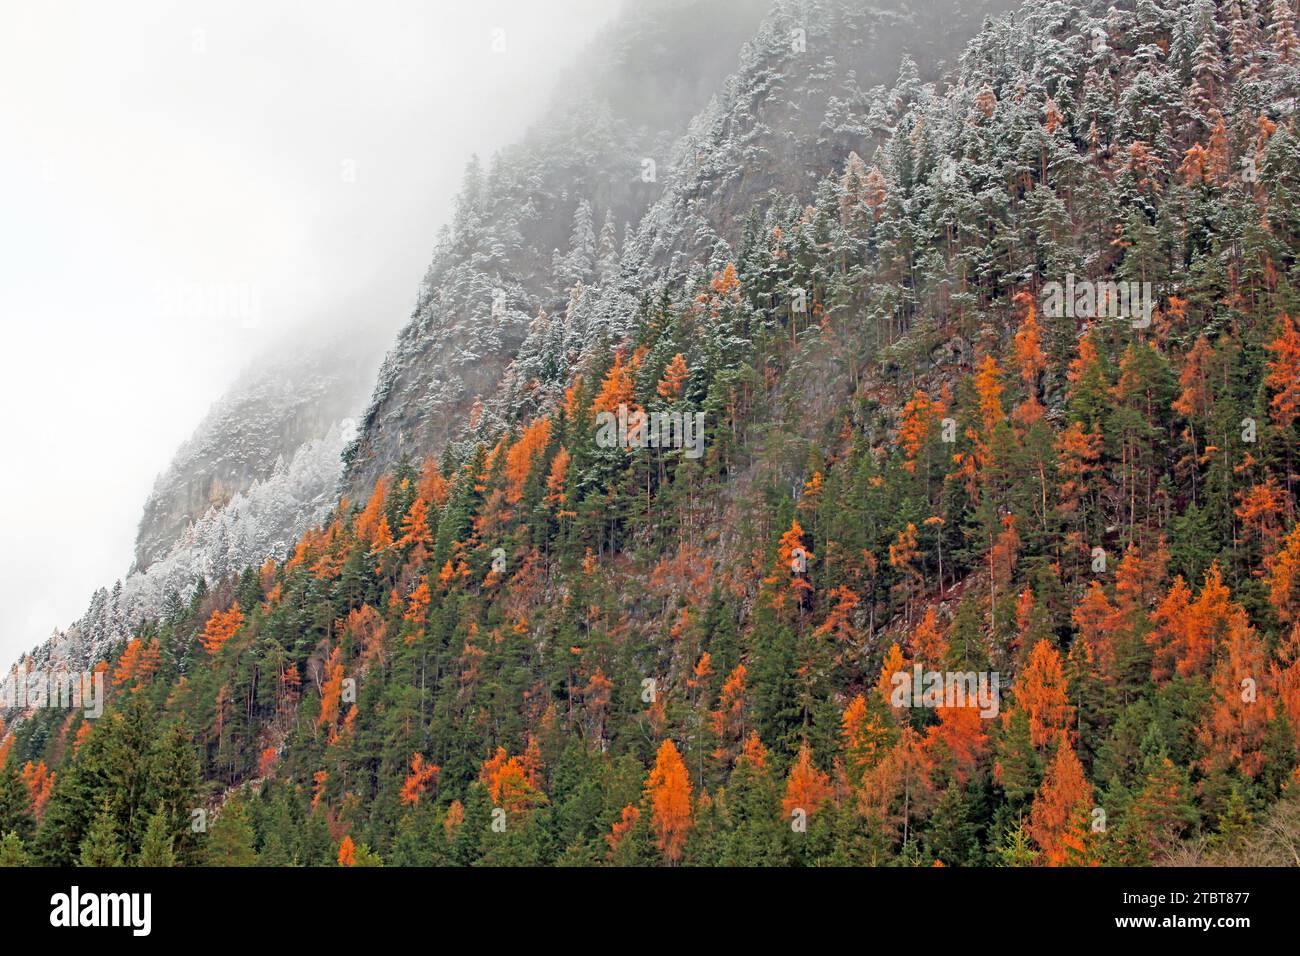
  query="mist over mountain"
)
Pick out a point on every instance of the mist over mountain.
point(290, 397)
point(645, 174)
point(262, 466)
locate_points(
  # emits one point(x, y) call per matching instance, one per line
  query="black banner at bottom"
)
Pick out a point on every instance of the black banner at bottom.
point(134, 906)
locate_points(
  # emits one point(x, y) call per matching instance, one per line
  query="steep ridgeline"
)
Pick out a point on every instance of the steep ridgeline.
point(266, 459)
point(290, 397)
point(813, 86)
point(261, 468)
point(817, 85)
point(262, 521)
point(546, 213)
point(550, 253)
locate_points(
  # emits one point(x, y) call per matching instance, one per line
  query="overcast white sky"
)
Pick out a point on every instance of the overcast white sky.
point(181, 182)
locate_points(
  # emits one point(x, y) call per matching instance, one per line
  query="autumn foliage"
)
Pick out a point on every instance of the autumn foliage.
point(668, 791)
point(221, 627)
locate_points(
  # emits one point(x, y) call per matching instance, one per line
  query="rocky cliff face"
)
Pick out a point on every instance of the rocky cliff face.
point(262, 466)
point(259, 522)
point(279, 404)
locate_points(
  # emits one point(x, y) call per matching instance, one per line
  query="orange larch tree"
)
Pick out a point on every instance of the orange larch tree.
point(1040, 690)
point(557, 483)
point(418, 780)
point(894, 663)
point(221, 627)
point(668, 791)
point(728, 721)
point(899, 787)
point(1282, 573)
point(927, 642)
point(417, 609)
point(522, 454)
point(839, 622)
point(622, 827)
point(1063, 796)
point(331, 693)
point(433, 487)
point(137, 664)
point(865, 735)
point(452, 820)
point(905, 557)
point(1186, 633)
point(514, 783)
point(40, 784)
point(916, 426)
point(1077, 453)
point(670, 387)
point(1194, 403)
point(1262, 511)
point(1167, 638)
point(267, 761)
point(1283, 377)
point(415, 526)
point(989, 389)
point(347, 852)
point(1112, 630)
point(1285, 676)
point(962, 736)
point(793, 561)
point(366, 626)
point(1234, 732)
point(618, 388)
point(806, 788)
point(382, 542)
point(1028, 349)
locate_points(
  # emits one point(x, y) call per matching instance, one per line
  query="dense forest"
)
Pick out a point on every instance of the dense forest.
point(1011, 393)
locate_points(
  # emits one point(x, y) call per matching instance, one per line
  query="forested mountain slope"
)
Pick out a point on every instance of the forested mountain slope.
point(937, 440)
point(546, 212)
point(549, 252)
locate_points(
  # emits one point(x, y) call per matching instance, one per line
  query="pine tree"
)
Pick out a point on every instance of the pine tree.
point(156, 848)
point(1017, 849)
point(102, 846)
point(580, 262)
point(173, 787)
point(607, 251)
point(12, 851)
point(230, 839)
point(1159, 815)
point(15, 816)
